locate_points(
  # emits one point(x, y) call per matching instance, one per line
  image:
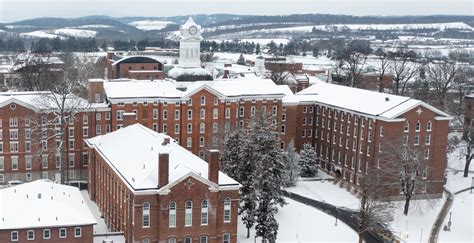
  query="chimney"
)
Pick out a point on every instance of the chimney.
point(129, 118)
point(226, 70)
point(95, 88)
point(166, 141)
point(213, 166)
point(163, 169)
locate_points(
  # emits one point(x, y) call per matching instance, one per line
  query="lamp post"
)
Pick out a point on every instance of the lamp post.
point(449, 222)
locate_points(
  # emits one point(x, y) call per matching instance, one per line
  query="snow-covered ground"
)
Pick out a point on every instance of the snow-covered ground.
point(440, 26)
point(462, 227)
point(301, 223)
point(150, 24)
point(416, 226)
point(100, 228)
point(325, 191)
point(69, 32)
point(75, 32)
point(261, 41)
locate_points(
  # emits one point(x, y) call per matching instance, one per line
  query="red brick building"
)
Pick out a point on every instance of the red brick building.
point(154, 190)
point(134, 67)
point(42, 211)
point(350, 128)
point(30, 138)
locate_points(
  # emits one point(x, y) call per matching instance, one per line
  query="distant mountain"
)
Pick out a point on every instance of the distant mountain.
point(224, 25)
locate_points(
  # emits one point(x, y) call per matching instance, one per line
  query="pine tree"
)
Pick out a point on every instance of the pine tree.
point(307, 162)
point(241, 60)
point(291, 166)
point(257, 49)
point(233, 156)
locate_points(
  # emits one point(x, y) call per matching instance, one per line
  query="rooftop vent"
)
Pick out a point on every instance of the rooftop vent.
point(387, 99)
point(39, 195)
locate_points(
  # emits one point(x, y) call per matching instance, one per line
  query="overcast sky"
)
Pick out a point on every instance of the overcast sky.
point(12, 10)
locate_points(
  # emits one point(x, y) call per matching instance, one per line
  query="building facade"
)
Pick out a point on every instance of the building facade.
point(43, 211)
point(153, 190)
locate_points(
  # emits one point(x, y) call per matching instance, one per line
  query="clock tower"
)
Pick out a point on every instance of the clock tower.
point(190, 45)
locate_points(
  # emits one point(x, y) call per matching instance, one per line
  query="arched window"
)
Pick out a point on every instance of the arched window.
point(202, 114)
point(428, 126)
point(172, 215)
point(203, 100)
point(146, 240)
point(172, 240)
point(188, 213)
point(146, 215)
point(204, 212)
point(227, 205)
point(418, 126)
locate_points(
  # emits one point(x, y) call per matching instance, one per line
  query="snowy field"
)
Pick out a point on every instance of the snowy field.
point(416, 226)
point(301, 223)
point(440, 26)
point(68, 32)
point(325, 191)
point(150, 24)
point(261, 41)
point(462, 228)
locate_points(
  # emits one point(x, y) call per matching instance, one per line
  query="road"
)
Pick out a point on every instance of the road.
point(345, 215)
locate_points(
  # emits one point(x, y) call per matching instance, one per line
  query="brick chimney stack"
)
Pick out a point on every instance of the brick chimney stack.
point(95, 88)
point(163, 169)
point(129, 118)
point(213, 166)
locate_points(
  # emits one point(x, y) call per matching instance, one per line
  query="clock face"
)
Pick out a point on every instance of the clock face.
point(192, 30)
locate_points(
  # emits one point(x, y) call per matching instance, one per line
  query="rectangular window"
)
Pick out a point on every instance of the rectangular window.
point(1, 147)
point(165, 128)
point(98, 129)
point(62, 233)
point(71, 161)
point(189, 142)
point(13, 122)
point(176, 129)
point(46, 234)
point(14, 162)
point(98, 116)
point(241, 112)
point(108, 128)
point(226, 238)
point(227, 113)
point(428, 139)
point(120, 115)
point(44, 161)
point(176, 115)
point(85, 131)
point(107, 116)
point(77, 232)
point(14, 236)
point(30, 234)
point(2, 163)
point(71, 144)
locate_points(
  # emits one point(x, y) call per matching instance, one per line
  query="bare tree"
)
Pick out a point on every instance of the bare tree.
point(443, 76)
point(352, 65)
point(407, 168)
point(375, 208)
point(404, 68)
point(37, 72)
point(468, 137)
point(385, 61)
point(61, 106)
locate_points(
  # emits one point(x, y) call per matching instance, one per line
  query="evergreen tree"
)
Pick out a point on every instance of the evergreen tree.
point(233, 156)
point(269, 175)
point(241, 60)
point(307, 162)
point(257, 49)
point(291, 166)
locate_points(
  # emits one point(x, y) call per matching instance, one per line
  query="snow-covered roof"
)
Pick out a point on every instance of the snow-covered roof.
point(37, 100)
point(361, 100)
point(140, 89)
point(179, 73)
point(133, 152)
point(41, 204)
point(155, 58)
point(238, 87)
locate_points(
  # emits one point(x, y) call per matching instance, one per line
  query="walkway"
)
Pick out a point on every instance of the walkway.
point(441, 216)
point(347, 216)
